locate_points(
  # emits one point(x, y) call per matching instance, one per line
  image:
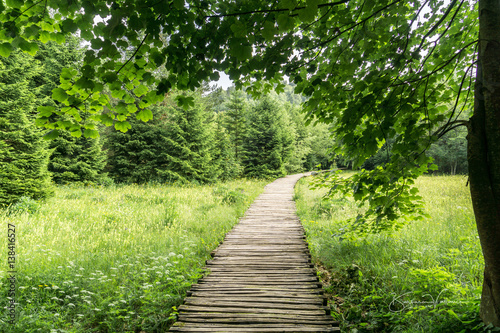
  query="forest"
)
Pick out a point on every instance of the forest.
point(123, 164)
point(223, 135)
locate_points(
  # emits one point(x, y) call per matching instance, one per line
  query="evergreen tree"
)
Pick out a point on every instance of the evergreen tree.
point(224, 155)
point(269, 141)
point(177, 145)
point(236, 123)
point(23, 153)
point(302, 138)
point(132, 156)
point(188, 153)
point(77, 160)
point(73, 159)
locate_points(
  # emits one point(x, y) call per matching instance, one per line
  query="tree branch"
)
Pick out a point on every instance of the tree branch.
point(133, 55)
point(448, 10)
point(33, 5)
point(353, 26)
point(274, 10)
point(440, 132)
point(441, 66)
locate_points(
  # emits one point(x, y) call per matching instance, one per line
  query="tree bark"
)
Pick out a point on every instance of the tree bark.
point(484, 156)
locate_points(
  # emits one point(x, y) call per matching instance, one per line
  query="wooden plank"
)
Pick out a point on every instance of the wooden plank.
point(239, 310)
point(253, 289)
point(261, 278)
point(263, 293)
point(255, 316)
point(258, 329)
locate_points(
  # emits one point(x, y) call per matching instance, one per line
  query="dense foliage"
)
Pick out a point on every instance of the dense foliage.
point(73, 159)
point(381, 72)
point(23, 154)
point(269, 141)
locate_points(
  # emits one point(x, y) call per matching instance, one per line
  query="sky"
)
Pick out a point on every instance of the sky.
point(224, 81)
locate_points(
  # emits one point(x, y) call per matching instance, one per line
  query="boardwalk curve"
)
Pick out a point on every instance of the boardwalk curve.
point(261, 277)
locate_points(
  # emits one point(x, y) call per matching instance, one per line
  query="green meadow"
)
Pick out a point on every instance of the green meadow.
point(114, 259)
point(121, 258)
point(425, 278)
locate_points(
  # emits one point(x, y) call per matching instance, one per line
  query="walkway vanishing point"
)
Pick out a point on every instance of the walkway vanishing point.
point(261, 277)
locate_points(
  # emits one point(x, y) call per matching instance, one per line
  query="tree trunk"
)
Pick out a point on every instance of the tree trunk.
point(484, 156)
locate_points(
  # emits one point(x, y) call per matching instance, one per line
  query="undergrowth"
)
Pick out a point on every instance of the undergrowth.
point(113, 259)
point(424, 278)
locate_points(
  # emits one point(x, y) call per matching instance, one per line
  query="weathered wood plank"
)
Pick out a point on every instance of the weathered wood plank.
point(260, 278)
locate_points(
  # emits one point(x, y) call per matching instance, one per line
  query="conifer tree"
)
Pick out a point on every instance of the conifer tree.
point(188, 153)
point(73, 159)
point(224, 154)
point(236, 122)
point(269, 141)
point(77, 160)
point(23, 153)
point(131, 155)
point(177, 145)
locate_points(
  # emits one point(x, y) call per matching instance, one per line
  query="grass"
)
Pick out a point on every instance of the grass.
point(116, 259)
point(424, 278)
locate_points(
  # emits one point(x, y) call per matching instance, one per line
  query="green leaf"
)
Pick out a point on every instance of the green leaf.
point(90, 133)
point(141, 90)
point(239, 29)
point(84, 83)
point(289, 4)
point(15, 3)
point(185, 101)
point(68, 73)
point(118, 93)
point(44, 36)
point(30, 48)
point(308, 14)
point(59, 95)
point(58, 38)
point(46, 111)
point(285, 22)
point(106, 119)
point(242, 52)
point(47, 26)
point(69, 26)
point(122, 126)
point(179, 4)
point(76, 133)
point(51, 135)
point(5, 49)
point(215, 76)
point(144, 115)
point(131, 108)
point(269, 30)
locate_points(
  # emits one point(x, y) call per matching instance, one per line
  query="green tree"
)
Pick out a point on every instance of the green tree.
point(23, 152)
point(74, 159)
point(450, 153)
point(77, 160)
point(177, 145)
point(376, 71)
point(133, 156)
point(269, 140)
point(190, 144)
point(225, 161)
point(236, 122)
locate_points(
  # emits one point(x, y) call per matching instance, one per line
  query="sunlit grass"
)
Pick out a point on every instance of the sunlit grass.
point(424, 278)
point(116, 259)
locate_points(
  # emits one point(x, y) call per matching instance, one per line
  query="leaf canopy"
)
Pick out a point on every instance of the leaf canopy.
point(381, 70)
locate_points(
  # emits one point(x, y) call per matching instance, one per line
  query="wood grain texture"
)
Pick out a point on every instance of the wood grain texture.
point(260, 278)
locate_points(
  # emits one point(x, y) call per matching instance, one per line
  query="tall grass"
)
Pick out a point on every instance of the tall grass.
point(116, 259)
point(424, 278)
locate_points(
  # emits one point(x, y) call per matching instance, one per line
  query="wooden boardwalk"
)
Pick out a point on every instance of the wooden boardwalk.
point(261, 279)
